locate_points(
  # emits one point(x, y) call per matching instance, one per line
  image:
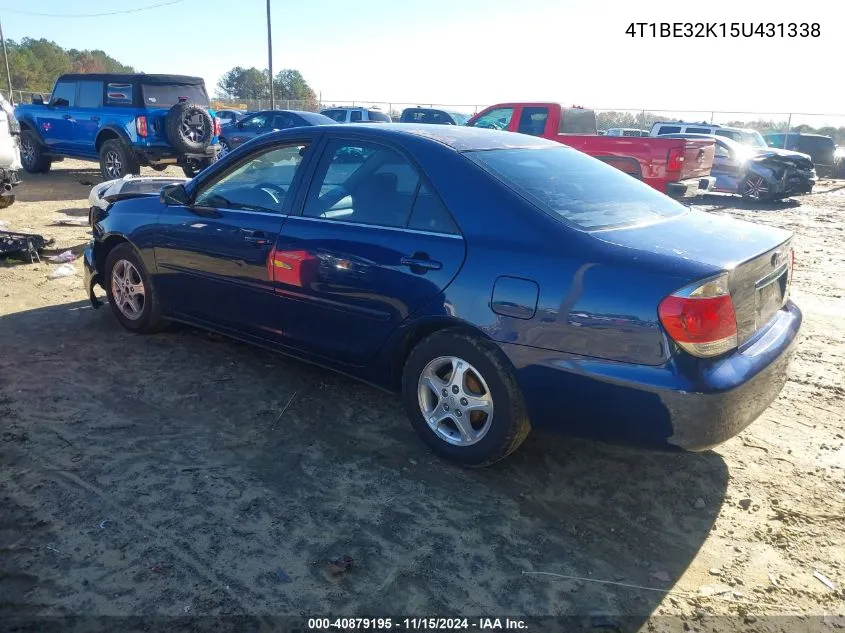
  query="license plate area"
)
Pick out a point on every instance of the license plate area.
point(771, 295)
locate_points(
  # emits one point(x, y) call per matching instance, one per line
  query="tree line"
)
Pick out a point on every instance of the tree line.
point(644, 120)
point(253, 84)
point(36, 64)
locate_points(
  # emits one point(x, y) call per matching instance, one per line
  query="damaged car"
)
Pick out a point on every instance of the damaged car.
point(759, 174)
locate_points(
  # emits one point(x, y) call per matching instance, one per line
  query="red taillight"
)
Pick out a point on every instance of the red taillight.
point(676, 159)
point(216, 126)
point(141, 126)
point(701, 318)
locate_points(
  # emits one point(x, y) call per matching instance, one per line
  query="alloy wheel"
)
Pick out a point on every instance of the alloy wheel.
point(128, 289)
point(193, 126)
point(114, 166)
point(756, 188)
point(455, 401)
point(28, 152)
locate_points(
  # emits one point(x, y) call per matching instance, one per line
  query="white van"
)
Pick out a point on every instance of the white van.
point(740, 135)
point(10, 153)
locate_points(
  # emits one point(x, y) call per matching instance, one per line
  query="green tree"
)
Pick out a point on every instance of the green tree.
point(291, 85)
point(243, 83)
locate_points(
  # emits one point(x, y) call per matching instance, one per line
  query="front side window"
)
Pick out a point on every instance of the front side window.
point(577, 188)
point(496, 119)
point(355, 116)
point(90, 94)
point(64, 94)
point(363, 183)
point(734, 136)
point(698, 130)
point(669, 129)
point(283, 122)
point(336, 115)
point(375, 115)
point(722, 151)
point(260, 183)
point(533, 121)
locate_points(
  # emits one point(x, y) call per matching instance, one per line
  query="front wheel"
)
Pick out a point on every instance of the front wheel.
point(117, 160)
point(462, 399)
point(33, 158)
point(130, 292)
point(224, 149)
point(756, 188)
point(6, 201)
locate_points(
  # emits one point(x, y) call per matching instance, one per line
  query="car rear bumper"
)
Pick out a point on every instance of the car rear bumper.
point(9, 178)
point(687, 403)
point(687, 188)
point(168, 155)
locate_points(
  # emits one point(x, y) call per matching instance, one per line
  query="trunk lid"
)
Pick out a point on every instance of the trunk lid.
point(757, 259)
point(698, 158)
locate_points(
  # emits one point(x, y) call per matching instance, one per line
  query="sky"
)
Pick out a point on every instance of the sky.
point(475, 52)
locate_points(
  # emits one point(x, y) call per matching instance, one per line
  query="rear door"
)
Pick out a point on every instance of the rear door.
point(373, 243)
point(87, 115)
point(214, 256)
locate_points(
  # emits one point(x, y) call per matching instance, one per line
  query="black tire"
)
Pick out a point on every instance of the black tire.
point(509, 424)
point(149, 318)
point(117, 160)
point(750, 188)
point(192, 166)
point(6, 201)
point(33, 159)
point(189, 127)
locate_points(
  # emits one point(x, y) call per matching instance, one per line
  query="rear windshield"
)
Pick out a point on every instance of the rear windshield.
point(577, 121)
point(577, 188)
point(375, 115)
point(167, 95)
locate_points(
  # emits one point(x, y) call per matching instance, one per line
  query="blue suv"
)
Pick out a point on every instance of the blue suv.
point(124, 121)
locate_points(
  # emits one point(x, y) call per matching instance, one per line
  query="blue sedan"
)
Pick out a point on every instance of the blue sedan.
point(500, 282)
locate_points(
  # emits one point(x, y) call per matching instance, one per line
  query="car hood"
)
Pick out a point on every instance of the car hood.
point(784, 155)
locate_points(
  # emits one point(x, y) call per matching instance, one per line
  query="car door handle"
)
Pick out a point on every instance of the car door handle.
point(95, 118)
point(254, 235)
point(67, 117)
point(420, 262)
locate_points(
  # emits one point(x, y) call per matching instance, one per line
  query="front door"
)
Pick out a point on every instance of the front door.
point(56, 121)
point(372, 244)
point(86, 117)
point(213, 256)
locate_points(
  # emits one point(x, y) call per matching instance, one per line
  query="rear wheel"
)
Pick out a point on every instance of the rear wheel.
point(463, 400)
point(6, 201)
point(130, 292)
point(117, 160)
point(33, 159)
point(756, 188)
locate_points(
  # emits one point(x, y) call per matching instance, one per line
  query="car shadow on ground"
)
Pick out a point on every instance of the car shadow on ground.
point(235, 474)
point(718, 202)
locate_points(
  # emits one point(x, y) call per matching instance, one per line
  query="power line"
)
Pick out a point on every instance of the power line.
point(90, 15)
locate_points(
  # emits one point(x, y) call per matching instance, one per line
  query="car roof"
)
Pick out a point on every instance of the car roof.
point(797, 134)
point(315, 118)
point(457, 137)
point(135, 77)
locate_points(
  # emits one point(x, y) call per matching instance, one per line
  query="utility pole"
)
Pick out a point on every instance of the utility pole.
point(270, 57)
point(6, 57)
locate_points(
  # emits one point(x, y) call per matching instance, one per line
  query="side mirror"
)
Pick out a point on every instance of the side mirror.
point(37, 100)
point(240, 125)
point(60, 102)
point(174, 195)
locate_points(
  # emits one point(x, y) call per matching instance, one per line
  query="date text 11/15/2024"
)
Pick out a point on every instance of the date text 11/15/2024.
point(416, 624)
point(724, 29)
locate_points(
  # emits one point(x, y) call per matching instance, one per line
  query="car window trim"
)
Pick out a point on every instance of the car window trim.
point(288, 207)
point(403, 229)
point(351, 136)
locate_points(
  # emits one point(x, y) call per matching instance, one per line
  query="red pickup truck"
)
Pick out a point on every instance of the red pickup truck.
point(677, 167)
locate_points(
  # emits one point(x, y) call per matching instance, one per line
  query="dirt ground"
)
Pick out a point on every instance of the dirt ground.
point(186, 474)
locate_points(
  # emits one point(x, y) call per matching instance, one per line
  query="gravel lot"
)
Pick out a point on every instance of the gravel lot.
point(184, 473)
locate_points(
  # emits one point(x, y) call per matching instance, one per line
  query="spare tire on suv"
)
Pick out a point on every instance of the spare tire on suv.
point(189, 127)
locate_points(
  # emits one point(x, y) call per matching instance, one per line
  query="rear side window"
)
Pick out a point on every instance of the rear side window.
point(166, 95)
point(533, 121)
point(355, 116)
point(429, 215)
point(119, 94)
point(669, 129)
point(577, 121)
point(336, 115)
point(734, 136)
point(413, 116)
point(90, 94)
point(577, 188)
point(698, 130)
point(64, 94)
point(375, 115)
